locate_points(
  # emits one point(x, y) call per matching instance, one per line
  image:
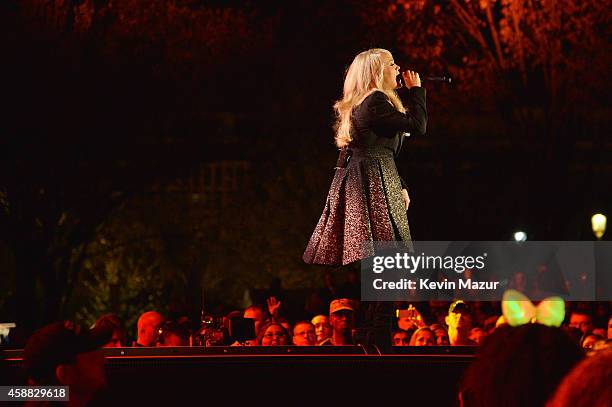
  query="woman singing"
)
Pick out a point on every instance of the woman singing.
point(368, 200)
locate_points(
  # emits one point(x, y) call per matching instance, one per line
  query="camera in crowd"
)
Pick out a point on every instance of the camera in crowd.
point(220, 331)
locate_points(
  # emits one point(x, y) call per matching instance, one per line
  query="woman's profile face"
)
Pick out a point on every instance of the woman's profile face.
point(390, 72)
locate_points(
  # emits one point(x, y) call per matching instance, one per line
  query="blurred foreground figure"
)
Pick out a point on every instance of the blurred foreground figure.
point(113, 322)
point(518, 366)
point(63, 354)
point(589, 384)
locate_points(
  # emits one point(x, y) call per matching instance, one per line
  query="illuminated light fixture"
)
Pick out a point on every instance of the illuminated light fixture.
point(520, 236)
point(598, 224)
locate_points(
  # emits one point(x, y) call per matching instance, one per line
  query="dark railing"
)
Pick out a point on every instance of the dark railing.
point(173, 375)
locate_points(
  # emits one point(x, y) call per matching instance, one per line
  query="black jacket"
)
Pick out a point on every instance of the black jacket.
point(376, 122)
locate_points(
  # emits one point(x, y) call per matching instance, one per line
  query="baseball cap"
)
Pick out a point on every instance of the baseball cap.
point(458, 306)
point(60, 343)
point(341, 304)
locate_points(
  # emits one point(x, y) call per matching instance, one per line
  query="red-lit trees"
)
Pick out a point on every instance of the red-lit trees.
point(538, 67)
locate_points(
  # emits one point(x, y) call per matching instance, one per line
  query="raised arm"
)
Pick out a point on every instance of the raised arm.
point(385, 116)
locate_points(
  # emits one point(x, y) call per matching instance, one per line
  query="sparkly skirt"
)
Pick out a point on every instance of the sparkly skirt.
point(364, 205)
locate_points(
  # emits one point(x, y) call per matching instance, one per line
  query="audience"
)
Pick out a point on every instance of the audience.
point(423, 337)
point(173, 333)
point(323, 329)
point(581, 320)
point(600, 332)
point(341, 327)
point(459, 324)
point(489, 324)
point(410, 318)
point(257, 314)
point(401, 338)
point(477, 335)
point(515, 365)
point(441, 335)
point(342, 320)
point(148, 327)
point(304, 334)
point(284, 322)
point(272, 334)
point(589, 340)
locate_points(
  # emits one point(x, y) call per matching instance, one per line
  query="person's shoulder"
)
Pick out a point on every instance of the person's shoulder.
point(326, 342)
point(371, 103)
point(375, 97)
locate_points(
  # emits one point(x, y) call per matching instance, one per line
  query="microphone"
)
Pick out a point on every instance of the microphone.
point(446, 79)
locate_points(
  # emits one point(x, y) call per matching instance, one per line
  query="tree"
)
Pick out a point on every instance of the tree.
point(96, 88)
point(540, 64)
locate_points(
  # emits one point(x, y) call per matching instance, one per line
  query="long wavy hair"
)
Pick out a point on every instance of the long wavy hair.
point(364, 76)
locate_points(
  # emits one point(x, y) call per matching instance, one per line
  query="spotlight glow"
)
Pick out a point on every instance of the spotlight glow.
point(520, 236)
point(598, 224)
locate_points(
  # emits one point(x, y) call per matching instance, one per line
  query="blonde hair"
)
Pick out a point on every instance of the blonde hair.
point(364, 76)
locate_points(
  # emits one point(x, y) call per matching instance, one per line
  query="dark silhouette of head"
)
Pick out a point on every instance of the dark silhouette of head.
point(519, 366)
point(591, 374)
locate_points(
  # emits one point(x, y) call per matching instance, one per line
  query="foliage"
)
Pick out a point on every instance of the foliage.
point(501, 51)
point(537, 66)
point(97, 86)
point(264, 233)
point(124, 270)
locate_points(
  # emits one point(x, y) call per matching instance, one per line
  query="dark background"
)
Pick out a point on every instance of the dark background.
point(152, 151)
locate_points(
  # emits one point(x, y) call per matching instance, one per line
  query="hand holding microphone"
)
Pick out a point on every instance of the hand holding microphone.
point(411, 78)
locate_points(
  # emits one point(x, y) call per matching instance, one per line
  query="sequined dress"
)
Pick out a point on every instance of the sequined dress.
point(364, 203)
